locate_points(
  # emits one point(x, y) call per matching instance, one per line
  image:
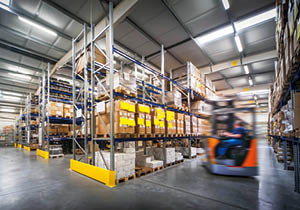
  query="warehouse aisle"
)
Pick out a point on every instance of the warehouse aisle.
point(28, 182)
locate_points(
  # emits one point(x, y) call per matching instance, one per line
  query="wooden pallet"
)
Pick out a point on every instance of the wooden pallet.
point(157, 135)
point(170, 164)
point(125, 179)
point(179, 161)
point(56, 156)
point(157, 168)
point(142, 171)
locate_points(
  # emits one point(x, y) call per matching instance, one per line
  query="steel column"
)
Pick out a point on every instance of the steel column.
point(189, 105)
point(86, 95)
point(43, 111)
point(111, 82)
point(163, 101)
point(92, 93)
point(74, 96)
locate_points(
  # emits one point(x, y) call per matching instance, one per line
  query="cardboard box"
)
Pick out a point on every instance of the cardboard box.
point(297, 101)
point(148, 123)
point(141, 108)
point(140, 123)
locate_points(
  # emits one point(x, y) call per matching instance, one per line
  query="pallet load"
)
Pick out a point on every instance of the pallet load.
point(158, 120)
point(99, 58)
point(56, 109)
point(204, 127)
point(185, 151)
point(194, 126)
point(158, 154)
point(187, 124)
point(171, 122)
point(147, 161)
point(143, 119)
point(179, 123)
point(178, 156)
point(68, 111)
point(124, 163)
point(124, 117)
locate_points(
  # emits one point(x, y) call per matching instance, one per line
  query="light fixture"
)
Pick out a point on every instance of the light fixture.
point(226, 4)
point(37, 26)
point(20, 76)
point(256, 92)
point(239, 25)
point(7, 110)
point(215, 34)
point(238, 43)
point(11, 93)
point(4, 4)
point(14, 98)
point(246, 68)
point(250, 82)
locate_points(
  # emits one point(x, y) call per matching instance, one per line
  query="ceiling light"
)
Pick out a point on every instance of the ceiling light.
point(20, 76)
point(250, 82)
point(3, 5)
point(11, 93)
point(238, 43)
point(37, 26)
point(226, 4)
point(11, 98)
point(246, 68)
point(256, 92)
point(215, 34)
point(239, 25)
point(7, 110)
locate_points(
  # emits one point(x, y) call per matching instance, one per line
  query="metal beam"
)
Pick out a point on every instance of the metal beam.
point(35, 20)
point(25, 36)
point(265, 56)
point(121, 10)
point(26, 52)
point(242, 89)
point(65, 12)
point(244, 75)
point(31, 68)
point(148, 36)
point(173, 13)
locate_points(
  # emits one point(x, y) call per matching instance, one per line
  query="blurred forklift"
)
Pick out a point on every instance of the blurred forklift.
point(231, 149)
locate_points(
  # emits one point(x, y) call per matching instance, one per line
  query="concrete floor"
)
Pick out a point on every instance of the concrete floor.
point(28, 182)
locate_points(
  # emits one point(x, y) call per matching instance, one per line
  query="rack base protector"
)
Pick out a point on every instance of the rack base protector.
point(20, 146)
point(27, 148)
point(15, 145)
point(100, 174)
point(42, 153)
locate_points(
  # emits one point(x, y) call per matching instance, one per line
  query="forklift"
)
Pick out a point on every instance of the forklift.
point(239, 160)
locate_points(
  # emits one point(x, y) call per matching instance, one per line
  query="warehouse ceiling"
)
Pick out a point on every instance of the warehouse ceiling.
point(26, 49)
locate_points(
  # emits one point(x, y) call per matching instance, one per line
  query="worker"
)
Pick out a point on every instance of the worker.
point(236, 138)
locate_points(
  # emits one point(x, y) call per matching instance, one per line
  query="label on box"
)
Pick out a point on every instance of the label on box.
point(126, 76)
point(156, 122)
point(131, 122)
point(148, 123)
point(141, 121)
point(131, 108)
point(123, 121)
point(100, 107)
point(170, 125)
point(162, 124)
point(170, 116)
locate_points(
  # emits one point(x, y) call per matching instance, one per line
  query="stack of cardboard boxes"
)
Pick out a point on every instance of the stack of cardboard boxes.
point(158, 120)
point(171, 122)
point(56, 109)
point(143, 119)
point(179, 123)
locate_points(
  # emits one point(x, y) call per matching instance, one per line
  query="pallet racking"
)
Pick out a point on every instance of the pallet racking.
point(84, 106)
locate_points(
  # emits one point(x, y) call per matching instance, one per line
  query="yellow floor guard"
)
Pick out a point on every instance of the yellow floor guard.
point(27, 148)
point(42, 153)
point(20, 146)
point(100, 174)
point(15, 145)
